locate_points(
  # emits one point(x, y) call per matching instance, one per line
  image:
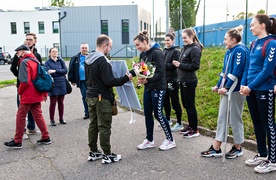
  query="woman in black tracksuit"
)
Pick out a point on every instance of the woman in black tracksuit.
point(171, 53)
point(187, 67)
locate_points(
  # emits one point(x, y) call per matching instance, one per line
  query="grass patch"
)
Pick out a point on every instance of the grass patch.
point(207, 102)
point(7, 83)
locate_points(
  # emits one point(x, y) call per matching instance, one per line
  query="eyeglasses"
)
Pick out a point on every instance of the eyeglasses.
point(29, 39)
point(109, 46)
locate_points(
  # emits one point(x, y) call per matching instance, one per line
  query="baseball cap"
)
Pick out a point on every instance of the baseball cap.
point(22, 47)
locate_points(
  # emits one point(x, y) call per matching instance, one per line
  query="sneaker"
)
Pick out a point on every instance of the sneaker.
point(186, 130)
point(95, 155)
point(86, 116)
point(25, 136)
point(13, 145)
point(191, 134)
point(44, 141)
point(166, 145)
point(34, 131)
point(234, 152)
point(211, 152)
point(146, 144)
point(53, 123)
point(107, 159)
point(265, 167)
point(62, 121)
point(177, 127)
point(170, 123)
point(255, 161)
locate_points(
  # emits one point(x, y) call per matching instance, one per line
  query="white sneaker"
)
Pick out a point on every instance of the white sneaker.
point(170, 123)
point(25, 136)
point(146, 144)
point(265, 167)
point(256, 160)
point(177, 127)
point(166, 145)
point(30, 132)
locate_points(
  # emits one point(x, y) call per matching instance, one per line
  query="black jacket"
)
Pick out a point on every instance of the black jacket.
point(189, 63)
point(73, 73)
point(15, 66)
point(156, 58)
point(100, 78)
point(171, 54)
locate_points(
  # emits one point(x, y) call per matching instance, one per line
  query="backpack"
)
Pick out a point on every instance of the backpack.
point(43, 81)
point(264, 49)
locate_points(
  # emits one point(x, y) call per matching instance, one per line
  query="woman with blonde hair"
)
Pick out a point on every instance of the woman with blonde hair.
point(234, 63)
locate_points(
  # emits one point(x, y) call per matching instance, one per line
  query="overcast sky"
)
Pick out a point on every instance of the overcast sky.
point(215, 10)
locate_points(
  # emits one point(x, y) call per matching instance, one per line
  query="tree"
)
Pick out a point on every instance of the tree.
point(261, 11)
point(241, 15)
point(60, 3)
point(188, 13)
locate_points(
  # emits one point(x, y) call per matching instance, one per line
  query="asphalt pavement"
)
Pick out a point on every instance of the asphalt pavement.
point(66, 157)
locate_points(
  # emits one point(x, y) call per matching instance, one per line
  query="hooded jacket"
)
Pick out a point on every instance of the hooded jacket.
point(15, 65)
point(259, 71)
point(100, 78)
point(171, 54)
point(28, 72)
point(189, 63)
point(154, 56)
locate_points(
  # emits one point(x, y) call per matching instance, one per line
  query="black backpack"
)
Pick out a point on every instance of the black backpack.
point(43, 81)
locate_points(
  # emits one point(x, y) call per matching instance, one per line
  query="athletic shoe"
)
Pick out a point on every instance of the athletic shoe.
point(191, 134)
point(170, 123)
point(256, 160)
point(13, 145)
point(177, 127)
point(146, 144)
point(234, 152)
point(34, 131)
point(25, 136)
point(265, 167)
point(211, 152)
point(86, 116)
point(107, 159)
point(166, 145)
point(95, 155)
point(44, 141)
point(62, 121)
point(53, 123)
point(186, 130)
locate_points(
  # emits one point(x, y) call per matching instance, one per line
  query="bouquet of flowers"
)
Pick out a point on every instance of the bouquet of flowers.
point(143, 69)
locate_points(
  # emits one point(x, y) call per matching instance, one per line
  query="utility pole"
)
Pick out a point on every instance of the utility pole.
point(153, 27)
point(246, 17)
point(167, 15)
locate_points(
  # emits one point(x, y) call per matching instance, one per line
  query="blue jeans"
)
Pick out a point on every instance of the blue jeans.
point(261, 106)
point(153, 102)
point(31, 122)
point(83, 89)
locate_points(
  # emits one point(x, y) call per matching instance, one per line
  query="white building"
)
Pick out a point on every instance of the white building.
point(15, 24)
point(77, 25)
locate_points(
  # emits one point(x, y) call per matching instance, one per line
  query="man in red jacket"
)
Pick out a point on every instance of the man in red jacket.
point(30, 99)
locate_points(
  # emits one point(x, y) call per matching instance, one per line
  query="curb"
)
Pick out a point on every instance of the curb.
point(248, 144)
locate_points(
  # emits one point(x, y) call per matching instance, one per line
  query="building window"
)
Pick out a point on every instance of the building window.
point(145, 26)
point(56, 45)
point(41, 29)
point(125, 31)
point(141, 26)
point(104, 27)
point(26, 27)
point(55, 27)
point(13, 28)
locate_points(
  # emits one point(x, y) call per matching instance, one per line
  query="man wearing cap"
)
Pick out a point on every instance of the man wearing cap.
point(30, 41)
point(30, 99)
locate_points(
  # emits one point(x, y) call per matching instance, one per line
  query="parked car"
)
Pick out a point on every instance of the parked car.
point(5, 57)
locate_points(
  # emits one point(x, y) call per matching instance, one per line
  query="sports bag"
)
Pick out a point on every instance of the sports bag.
point(43, 81)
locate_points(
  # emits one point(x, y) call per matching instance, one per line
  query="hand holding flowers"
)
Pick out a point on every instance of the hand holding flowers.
point(143, 69)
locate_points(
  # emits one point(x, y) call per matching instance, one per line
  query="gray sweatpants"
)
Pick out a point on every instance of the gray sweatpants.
point(235, 117)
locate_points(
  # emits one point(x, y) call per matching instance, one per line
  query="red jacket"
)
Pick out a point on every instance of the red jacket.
point(27, 72)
